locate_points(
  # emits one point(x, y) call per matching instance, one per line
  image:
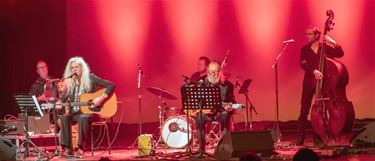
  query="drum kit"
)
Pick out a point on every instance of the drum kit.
point(173, 123)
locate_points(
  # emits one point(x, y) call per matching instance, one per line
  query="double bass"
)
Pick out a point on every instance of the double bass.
point(332, 113)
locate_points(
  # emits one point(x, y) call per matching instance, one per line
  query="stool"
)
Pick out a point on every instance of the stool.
point(106, 132)
point(214, 134)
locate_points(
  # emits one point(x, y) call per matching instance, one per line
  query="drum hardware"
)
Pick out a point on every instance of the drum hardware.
point(163, 110)
point(162, 93)
point(161, 120)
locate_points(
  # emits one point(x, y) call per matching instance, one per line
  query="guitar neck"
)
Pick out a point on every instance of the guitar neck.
point(225, 104)
point(76, 104)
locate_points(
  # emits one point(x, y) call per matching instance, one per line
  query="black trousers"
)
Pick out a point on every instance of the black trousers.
point(223, 117)
point(307, 96)
point(83, 121)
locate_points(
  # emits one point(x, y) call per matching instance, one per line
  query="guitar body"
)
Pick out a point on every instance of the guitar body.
point(107, 110)
point(193, 112)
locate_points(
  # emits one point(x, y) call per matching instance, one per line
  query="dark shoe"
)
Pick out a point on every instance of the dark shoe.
point(299, 141)
point(318, 142)
point(66, 152)
point(80, 153)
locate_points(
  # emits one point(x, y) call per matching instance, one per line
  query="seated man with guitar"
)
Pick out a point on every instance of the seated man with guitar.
point(221, 114)
point(81, 82)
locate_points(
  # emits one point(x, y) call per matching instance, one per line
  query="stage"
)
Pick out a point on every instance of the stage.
point(132, 155)
point(307, 65)
point(284, 150)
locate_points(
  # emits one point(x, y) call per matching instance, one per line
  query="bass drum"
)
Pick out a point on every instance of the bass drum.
point(174, 131)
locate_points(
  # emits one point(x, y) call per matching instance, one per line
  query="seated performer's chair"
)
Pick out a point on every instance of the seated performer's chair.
point(214, 134)
point(102, 123)
point(106, 132)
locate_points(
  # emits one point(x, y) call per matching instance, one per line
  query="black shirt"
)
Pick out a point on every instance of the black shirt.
point(226, 90)
point(309, 61)
point(196, 77)
point(37, 88)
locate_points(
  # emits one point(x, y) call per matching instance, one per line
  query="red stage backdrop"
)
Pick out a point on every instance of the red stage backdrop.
point(167, 37)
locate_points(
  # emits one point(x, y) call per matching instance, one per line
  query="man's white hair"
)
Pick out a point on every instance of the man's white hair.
point(213, 66)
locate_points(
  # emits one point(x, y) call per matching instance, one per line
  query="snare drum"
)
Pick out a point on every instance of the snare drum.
point(174, 131)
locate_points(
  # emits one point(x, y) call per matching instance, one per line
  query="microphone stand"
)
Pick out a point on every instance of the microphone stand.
point(276, 129)
point(140, 74)
point(54, 97)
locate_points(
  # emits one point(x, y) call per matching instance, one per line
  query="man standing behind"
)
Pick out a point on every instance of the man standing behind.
point(40, 84)
point(202, 69)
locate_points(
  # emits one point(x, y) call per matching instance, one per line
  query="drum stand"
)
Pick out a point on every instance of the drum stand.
point(188, 148)
point(161, 121)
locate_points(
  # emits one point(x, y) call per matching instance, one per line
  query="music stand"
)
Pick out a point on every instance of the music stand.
point(244, 90)
point(198, 98)
point(29, 103)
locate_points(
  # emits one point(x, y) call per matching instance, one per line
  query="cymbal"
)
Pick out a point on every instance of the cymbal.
point(162, 93)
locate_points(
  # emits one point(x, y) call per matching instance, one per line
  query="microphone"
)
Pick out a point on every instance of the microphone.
point(200, 82)
point(288, 41)
point(71, 75)
point(140, 69)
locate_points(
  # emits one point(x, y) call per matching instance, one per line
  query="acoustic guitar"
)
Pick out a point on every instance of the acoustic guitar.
point(86, 105)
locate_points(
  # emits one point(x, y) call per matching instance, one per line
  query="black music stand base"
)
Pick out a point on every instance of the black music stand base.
point(200, 154)
point(28, 102)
